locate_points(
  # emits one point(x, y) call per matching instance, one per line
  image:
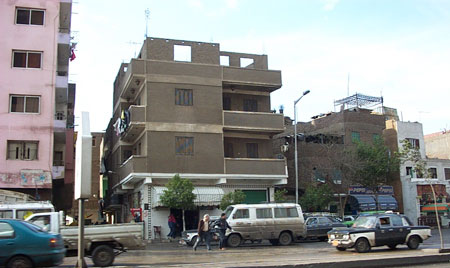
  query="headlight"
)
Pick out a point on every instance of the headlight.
point(332, 236)
point(345, 237)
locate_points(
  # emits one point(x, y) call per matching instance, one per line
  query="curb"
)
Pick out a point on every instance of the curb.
point(370, 263)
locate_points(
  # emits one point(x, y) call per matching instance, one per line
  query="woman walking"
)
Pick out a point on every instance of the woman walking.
point(203, 233)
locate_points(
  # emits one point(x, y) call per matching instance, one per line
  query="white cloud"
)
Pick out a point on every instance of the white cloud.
point(329, 5)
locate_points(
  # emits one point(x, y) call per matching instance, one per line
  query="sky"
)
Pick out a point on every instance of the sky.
point(396, 49)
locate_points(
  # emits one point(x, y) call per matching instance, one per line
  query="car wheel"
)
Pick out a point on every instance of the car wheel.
point(274, 242)
point(103, 256)
point(234, 240)
point(285, 239)
point(392, 246)
point(193, 240)
point(362, 245)
point(19, 262)
point(341, 248)
point(413, 242)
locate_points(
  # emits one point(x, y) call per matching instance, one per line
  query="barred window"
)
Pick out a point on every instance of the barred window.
point(22, 150)
point(184, 97)
point(184, 145)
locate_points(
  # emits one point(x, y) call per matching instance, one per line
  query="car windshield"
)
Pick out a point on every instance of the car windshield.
point(33, 227)
point(365, 222)
point(228, 211)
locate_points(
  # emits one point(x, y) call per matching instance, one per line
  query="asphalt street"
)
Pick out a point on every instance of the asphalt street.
point(255, 255)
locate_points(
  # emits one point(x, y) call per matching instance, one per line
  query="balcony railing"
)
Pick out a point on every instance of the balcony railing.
point(252, 77)
point(134, 164)
point(136, 123)
point(253, 121)
point(259, 166)
point(133, 79)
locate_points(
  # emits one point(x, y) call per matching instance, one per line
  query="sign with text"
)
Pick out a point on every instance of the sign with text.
point(383, 189)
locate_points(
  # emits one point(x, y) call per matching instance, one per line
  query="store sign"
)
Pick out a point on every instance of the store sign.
point(384, 189)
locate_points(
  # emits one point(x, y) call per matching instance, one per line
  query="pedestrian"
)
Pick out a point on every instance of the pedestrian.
point(223, 226)
point(204, 233)
point(172, 224)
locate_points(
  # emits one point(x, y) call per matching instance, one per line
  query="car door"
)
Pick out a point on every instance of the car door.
point(312, 226)
point(325, 225)
point(7, 241)
point(243, 223)
point(384, 232)
point(401, 231)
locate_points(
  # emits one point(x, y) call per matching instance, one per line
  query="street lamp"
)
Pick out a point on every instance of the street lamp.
point(295, 144)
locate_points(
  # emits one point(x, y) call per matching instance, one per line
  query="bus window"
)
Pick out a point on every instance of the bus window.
point(6, 214)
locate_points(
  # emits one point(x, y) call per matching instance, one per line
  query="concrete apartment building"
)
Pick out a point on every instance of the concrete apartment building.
point(414, 190)
point(35, 98)
point(321, 144)
point(204, 114)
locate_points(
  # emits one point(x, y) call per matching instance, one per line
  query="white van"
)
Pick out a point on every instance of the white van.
point(279, 223)
point(23, 210)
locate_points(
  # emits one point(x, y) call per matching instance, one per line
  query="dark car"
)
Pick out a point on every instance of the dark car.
point(23, 244)
point(318, 226)
point(379, 230)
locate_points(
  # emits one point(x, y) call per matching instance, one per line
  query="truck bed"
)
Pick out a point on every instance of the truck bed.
point(128, 235)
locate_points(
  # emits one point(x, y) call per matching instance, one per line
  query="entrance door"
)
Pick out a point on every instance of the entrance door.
point(191, 219)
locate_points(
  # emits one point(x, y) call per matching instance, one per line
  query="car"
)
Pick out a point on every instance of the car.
point(318, 226)
point(190, 236)
point(348, 220)
point(23, 244)
point(387, 229)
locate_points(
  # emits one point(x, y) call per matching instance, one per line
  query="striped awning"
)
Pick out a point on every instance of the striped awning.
point(430, 208)
point(205, 196)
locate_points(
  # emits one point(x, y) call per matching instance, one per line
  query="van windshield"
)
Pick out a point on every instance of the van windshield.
point(228, 211)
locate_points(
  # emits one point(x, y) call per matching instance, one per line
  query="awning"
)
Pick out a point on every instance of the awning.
point(205, 196)
point(362, 202)
point(387, 202)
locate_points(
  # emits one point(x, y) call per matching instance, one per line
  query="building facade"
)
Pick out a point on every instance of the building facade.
point(438, 146)
point(36, 127)
point(415, 190)
point(187, 108)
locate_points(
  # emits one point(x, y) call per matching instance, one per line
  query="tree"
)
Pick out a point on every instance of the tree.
point(179, 195)
point(231, 198)
point(408, 152)
point(316, 198)
point(375, 164)
point(280, 195)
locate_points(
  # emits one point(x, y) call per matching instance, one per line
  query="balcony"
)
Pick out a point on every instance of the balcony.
point(257, 166)
point(136, 125)
point(253, 121)
point(133, 79)
point(247, 78)
point(134, 164)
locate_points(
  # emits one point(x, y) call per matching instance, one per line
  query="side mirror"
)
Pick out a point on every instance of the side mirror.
point(377, 226)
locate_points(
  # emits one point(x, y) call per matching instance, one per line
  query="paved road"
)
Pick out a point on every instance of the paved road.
point(173, 255)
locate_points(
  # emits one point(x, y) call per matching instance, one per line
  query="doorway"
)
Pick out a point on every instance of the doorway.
point(191, 219)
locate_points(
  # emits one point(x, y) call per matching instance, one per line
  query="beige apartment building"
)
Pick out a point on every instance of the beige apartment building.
point(187, 108)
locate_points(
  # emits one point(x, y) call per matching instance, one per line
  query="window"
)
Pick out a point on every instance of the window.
point(432, 172)
point(324, 220)
point(184, 145)
point(58, 159)
point(184, 97)
point(246, 62)
point(409, 172)
point(263, 213)
point(23, 150)
point(385, 221)
point(375, 137)
point(311, 221)
point(286, 213)
point(42, 221)
point(228, 149)
point(6, 214)
point(6, 230)
point(396, 220)
point(182, 53)
point(250, 105)
point(414, 143)
point(60, 115)
point(241, 214)
point(30, 16)
point(356, 137)
point(27, 59)
point(447, 173)
point(24, 104)
point(225, 60)
point(226, 103)
point(252, 150)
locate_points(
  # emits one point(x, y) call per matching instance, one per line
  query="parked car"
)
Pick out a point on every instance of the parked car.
point(348, 220)
point(318, 226)
point(23, 244)
point(190, 236)
point(279, 223)
point(376, 230)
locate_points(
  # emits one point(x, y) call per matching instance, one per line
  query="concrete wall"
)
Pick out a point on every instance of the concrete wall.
point(438, 145)
point(237, 101)
point(240, 147)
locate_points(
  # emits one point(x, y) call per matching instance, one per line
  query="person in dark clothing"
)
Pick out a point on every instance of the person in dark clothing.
point(172, 225)
point(223, 226)
point(204, 233)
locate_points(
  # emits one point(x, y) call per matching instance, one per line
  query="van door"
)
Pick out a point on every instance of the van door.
point(264, 224)
point(288, 218)
point(242, 223)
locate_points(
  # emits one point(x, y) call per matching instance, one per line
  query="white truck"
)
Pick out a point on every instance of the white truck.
point(102, 242)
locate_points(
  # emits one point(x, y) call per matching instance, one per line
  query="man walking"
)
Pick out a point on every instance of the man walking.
point(223, 226)
point(203, 233)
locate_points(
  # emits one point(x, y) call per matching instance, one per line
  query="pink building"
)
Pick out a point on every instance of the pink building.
point(36, 101)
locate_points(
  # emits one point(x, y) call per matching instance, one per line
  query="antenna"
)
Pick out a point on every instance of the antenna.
point(348, 84)
point(147, 17)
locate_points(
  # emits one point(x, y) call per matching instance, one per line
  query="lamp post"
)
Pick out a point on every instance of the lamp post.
point(295, 144)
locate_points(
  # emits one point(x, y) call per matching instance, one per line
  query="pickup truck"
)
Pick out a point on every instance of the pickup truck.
point(102, 242)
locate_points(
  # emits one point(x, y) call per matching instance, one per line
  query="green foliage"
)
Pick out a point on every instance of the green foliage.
point(280, 195)
point(374, 164)
point(179, 194)
point(231, 198)
point(410, 153)
point(316, 198)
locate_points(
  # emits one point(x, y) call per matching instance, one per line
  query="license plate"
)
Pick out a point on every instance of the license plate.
point(335, 243)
